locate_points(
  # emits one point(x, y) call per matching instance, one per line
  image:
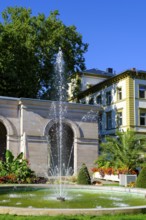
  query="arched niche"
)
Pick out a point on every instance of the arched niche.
point(61, 150)
point(3, 141)
point(8, 125)
point(76, 130)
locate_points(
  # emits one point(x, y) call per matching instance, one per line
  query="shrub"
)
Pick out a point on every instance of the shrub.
point(141, 180)
point(15, 170)
point(83, 176)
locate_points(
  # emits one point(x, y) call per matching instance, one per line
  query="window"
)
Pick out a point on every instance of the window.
point(119, 119)
point(91, 101)
point(108, 98)
point(119, 93)
point(142, 91)
point(143, 117)
point(83, 101)
point(100, 121)
point(98, 99)
point(109, 120)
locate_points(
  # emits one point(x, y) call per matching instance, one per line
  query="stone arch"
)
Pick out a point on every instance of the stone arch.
point(3, 141)
point(73, 125)
point(8, 130)
point(61, 151)
point(7, 124)
point(74, 134)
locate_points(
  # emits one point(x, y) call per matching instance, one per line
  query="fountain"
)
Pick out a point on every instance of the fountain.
point(85, 200)
point(39, 199)
point(61, 154)
point(61, 95)
point(60, 164)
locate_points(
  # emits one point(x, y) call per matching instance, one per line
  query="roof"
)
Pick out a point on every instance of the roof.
point(99, 72)
point(140, 74)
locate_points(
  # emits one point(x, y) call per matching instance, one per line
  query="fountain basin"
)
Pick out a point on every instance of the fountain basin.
point(73, 196)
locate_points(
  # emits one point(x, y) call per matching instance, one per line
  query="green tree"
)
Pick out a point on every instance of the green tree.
point(28, 48)
point(75, 85)
point(127, 150)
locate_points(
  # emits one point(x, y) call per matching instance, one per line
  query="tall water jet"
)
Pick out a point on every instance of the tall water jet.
point(59, 70)
point(61, 135)
point(60, 95)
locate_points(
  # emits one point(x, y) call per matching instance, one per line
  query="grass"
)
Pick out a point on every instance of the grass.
point(111, 184)
point(75, 217)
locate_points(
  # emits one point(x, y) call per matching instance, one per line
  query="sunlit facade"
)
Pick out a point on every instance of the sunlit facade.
point(123, 100)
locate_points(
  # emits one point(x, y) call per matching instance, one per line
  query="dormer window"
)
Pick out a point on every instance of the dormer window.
point(88, 86)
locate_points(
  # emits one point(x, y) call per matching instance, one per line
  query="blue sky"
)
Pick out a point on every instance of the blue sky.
point(114, 29)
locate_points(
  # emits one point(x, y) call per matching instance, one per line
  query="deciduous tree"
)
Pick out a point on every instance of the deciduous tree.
point(28, 48)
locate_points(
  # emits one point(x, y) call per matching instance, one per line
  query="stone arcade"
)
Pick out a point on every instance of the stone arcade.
point(25, 125)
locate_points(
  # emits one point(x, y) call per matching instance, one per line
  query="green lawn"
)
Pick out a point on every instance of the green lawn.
point(75, 217)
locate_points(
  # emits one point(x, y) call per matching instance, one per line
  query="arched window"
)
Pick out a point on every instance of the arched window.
point(63, 154)
point(3, 141)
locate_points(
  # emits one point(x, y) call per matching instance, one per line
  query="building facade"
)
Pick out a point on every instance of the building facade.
point(84, 80)
point(123, 100)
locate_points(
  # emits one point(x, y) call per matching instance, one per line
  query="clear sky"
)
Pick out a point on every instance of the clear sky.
point(114, 29)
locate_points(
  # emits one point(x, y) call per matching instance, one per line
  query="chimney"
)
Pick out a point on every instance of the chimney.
point(109, 70)
point(133, 69)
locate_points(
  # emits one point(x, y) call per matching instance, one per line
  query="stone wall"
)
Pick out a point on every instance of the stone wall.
point(34, 118)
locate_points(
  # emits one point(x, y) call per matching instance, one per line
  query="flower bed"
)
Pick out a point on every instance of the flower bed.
point(109, 173)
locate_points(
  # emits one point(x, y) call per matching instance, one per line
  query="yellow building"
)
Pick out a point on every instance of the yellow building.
point(123, 98)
